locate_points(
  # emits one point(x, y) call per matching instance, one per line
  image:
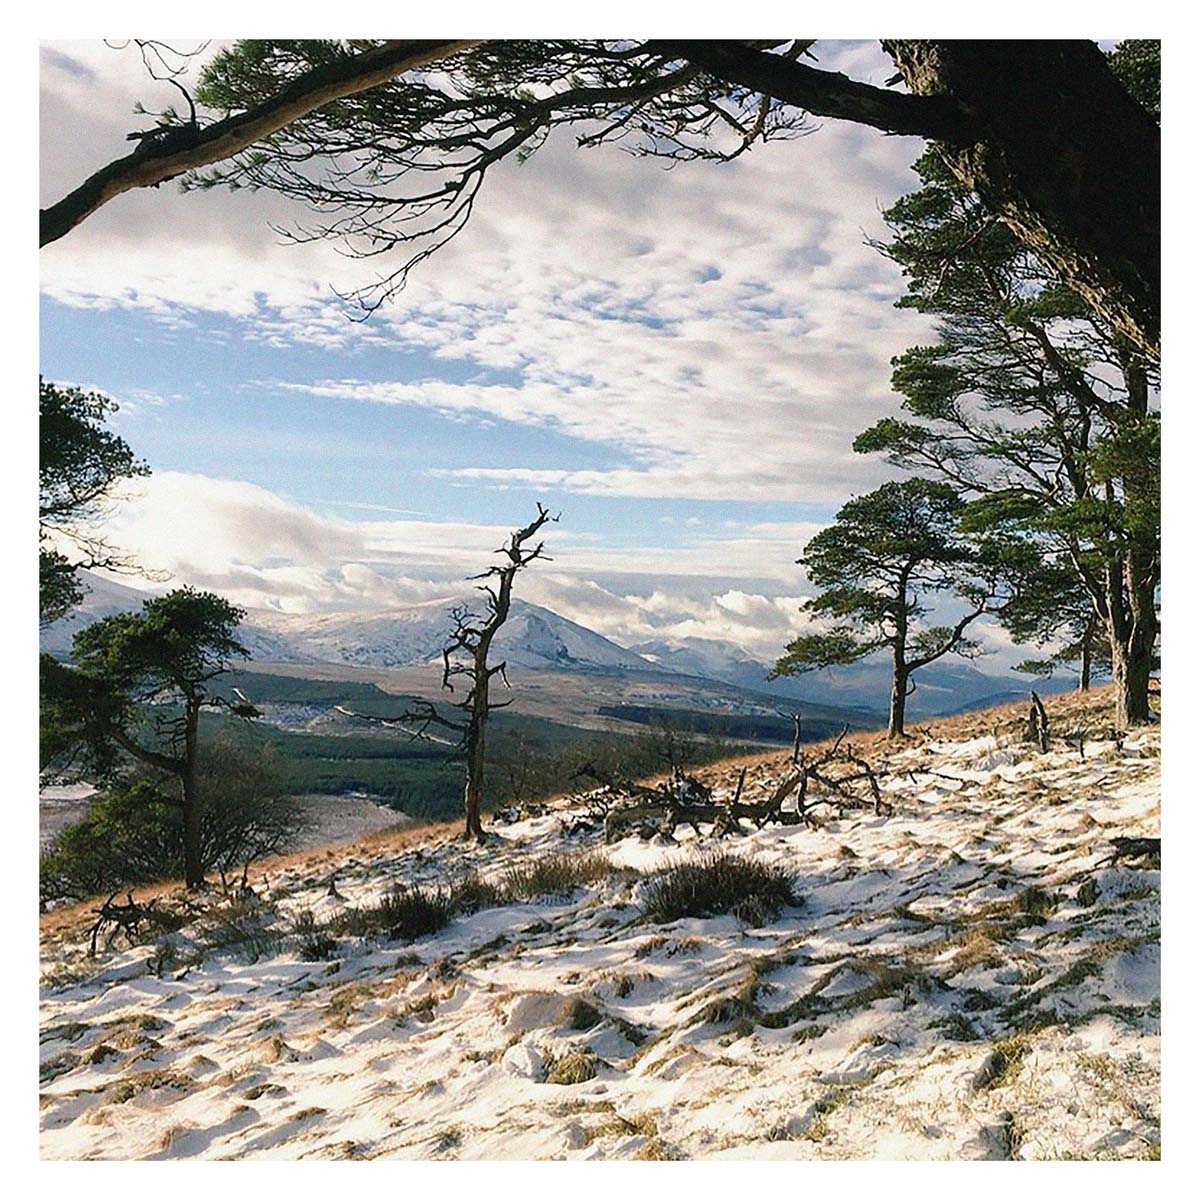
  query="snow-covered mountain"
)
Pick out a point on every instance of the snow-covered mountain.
point(533, 637)
point(536, 638)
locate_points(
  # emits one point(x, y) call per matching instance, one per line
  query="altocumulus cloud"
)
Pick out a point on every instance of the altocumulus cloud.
point(725, 324)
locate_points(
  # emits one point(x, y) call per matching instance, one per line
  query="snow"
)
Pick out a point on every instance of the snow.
point(874, 1012)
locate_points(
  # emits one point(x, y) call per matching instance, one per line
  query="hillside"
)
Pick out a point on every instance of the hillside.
point(972, 976)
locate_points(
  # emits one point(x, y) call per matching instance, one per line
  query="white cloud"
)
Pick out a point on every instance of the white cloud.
point(264, 551)
point(722, 324)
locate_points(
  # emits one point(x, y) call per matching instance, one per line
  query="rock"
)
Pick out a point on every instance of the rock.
point(863, 1064)
point(578, 1013)
point(535, 1010)
point(798, 1123)
point(524, 1061)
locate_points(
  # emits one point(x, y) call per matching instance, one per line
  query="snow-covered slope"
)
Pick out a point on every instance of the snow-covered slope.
point(973, 976)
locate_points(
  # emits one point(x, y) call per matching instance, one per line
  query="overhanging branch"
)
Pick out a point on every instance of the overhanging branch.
point(824, 93)
point(181, 148)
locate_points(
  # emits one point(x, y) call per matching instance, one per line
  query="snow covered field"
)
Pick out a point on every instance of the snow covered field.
point(970, 977)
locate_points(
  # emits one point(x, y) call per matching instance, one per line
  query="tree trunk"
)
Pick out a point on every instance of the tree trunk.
point(193, 865)
point(1065, 157)
point(899, 699)
point(473, 792)
point(1085, 659)
point(475, 740)
point(1133, 662)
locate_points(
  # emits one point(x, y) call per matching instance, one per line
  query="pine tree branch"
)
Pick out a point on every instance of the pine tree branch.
point(824, 93)
point(177, 149)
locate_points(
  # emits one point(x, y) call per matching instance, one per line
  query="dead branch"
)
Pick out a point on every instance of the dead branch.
point(128, 918)
point(835, 778)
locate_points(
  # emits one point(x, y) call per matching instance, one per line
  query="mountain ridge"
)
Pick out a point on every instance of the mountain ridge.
point(537, 638)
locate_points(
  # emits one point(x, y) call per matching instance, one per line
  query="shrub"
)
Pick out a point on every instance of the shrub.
point(719, 883)
point(133, 833)
point(129, 836)
point(246, 812)
point(552, 875)
point(405, 913)
point(315, 943)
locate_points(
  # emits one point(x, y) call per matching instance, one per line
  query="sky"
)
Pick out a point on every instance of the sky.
point(678, 361)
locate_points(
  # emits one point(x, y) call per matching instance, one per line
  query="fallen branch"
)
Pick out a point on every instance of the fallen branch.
point(1133, 848)
point(127, 918)
point(684, 800)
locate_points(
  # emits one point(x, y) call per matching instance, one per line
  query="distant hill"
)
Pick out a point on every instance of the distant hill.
point(407, 635)
point(538, 639)
point(945, 687)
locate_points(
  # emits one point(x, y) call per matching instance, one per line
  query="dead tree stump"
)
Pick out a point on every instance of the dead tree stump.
point(1038, 724)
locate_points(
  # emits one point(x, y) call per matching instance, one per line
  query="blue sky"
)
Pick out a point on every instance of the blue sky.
point(678, 361)
point(206, 398)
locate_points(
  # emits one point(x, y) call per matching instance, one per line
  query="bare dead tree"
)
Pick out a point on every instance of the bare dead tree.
point(465, 658)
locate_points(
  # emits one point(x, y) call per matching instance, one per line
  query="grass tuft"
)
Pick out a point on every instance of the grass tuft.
point(576, 1067)
point(408, 912)
point(720, 883)
point(1003, 1064)
point(405, 913)
point(315, 944)
point(556, 874)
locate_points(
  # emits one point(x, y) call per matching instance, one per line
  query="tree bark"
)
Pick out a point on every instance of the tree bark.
point(1132, 641)
point(473, 789)
point(193, 864)
point(1065, 156)
point(1085, 661)
point(898, 701)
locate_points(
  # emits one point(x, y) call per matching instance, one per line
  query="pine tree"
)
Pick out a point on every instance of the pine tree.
point(888, 554)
